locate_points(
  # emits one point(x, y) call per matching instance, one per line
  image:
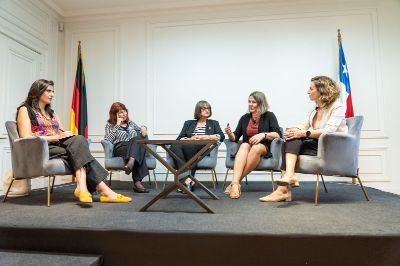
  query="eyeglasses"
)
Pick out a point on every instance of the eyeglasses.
point(205, 108)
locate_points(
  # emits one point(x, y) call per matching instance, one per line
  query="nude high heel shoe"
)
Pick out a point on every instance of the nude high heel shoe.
point(277, 197)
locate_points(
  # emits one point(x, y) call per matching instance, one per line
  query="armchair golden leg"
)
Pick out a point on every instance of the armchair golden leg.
point(213, 178)
point(272, 180)
point(109, 182)
point(316, 191)
point(155, 179)
point(215, 174)
point(323, 182)
point(165, 181)
point(226, 175)
point(8, 190)
point(52, 185)
point(48, 192)
point(362, 187)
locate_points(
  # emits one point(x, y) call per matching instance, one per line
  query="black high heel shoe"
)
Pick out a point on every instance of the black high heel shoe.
point(190, 186)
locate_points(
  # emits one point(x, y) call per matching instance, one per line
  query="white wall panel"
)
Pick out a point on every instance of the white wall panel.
point(223, 61)
point(21, 67)
point(100, 53)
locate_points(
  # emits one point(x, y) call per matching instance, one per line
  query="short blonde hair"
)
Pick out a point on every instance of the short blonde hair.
point(261, 101)
point(328, 88)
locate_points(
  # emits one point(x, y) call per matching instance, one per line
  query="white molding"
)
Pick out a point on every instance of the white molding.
point(9, 15)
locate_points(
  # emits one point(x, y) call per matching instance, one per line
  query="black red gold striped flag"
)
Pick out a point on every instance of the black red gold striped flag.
point(78, 116)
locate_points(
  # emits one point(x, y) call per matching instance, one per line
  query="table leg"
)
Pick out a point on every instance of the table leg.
point(163, 193)
point(195, 198)
point(204, 188)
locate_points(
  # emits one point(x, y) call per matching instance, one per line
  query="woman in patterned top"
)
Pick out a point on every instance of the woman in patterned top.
point(35, 117)
point(123, 133)
point(258, 128)
point(202, 128)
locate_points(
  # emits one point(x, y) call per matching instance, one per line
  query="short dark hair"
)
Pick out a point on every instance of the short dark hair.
point(197, 109)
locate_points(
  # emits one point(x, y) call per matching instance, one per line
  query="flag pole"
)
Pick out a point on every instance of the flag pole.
point(339, 38)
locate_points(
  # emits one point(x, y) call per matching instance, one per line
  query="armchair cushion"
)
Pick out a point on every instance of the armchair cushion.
point(339, 154)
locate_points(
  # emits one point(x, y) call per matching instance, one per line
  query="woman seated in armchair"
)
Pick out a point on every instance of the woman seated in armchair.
point(200, 128)
point(35, 117)
point(123, 133)
point(258, 128)
point(328, 115)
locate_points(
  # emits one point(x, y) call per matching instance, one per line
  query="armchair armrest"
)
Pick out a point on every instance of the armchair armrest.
point(153, 148)
point(108, 149)
point(276, 149)
point(339, 154)
point(29, 156)
point(231, 148)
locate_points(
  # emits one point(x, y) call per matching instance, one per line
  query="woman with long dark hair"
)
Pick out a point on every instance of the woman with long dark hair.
point(35, 117)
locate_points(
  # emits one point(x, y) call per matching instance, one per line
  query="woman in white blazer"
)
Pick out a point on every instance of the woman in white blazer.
point(327, 116)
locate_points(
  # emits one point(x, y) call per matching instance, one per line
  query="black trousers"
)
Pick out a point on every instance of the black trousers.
point(301, 146)
point(185, 153)
point(127, 149)
point(75, 153)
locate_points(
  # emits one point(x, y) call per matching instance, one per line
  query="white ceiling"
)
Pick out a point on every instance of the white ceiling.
point(68, 8)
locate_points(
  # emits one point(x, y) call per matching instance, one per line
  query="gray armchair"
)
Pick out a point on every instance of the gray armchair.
point(271, 164)
point(337, 155)
point(116, 164)
point(30, 159)
point(209, 162)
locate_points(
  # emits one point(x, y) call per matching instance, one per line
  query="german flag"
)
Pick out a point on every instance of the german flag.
point(78, 117)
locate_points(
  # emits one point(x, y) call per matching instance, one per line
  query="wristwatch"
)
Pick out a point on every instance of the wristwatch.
point(308, 133)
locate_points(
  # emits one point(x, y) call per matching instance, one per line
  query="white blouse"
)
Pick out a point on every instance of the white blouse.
point(332, 119)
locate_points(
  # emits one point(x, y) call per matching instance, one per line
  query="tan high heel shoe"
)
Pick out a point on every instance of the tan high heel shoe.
point(228, 189)
point(285, 181)
point(277, 197)
point(235, 191)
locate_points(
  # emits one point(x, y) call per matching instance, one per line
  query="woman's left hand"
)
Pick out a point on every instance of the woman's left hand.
point(256, 138)
point(295, 134)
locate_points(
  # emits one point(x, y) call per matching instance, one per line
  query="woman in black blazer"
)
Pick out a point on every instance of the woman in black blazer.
point(258, 128)
point(201, 128)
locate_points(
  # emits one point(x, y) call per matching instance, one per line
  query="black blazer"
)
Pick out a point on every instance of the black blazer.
point(212, 128)
point(268, 123)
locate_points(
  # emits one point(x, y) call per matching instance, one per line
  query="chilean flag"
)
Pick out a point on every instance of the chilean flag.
point(344, 80)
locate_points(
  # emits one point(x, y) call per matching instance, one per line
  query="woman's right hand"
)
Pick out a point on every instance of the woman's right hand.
point(229, 132)
point(119, 120)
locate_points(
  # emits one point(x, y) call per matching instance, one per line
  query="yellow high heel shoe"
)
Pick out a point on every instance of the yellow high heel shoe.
point(85, 197)
point(77, 193)
point(119, 199)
